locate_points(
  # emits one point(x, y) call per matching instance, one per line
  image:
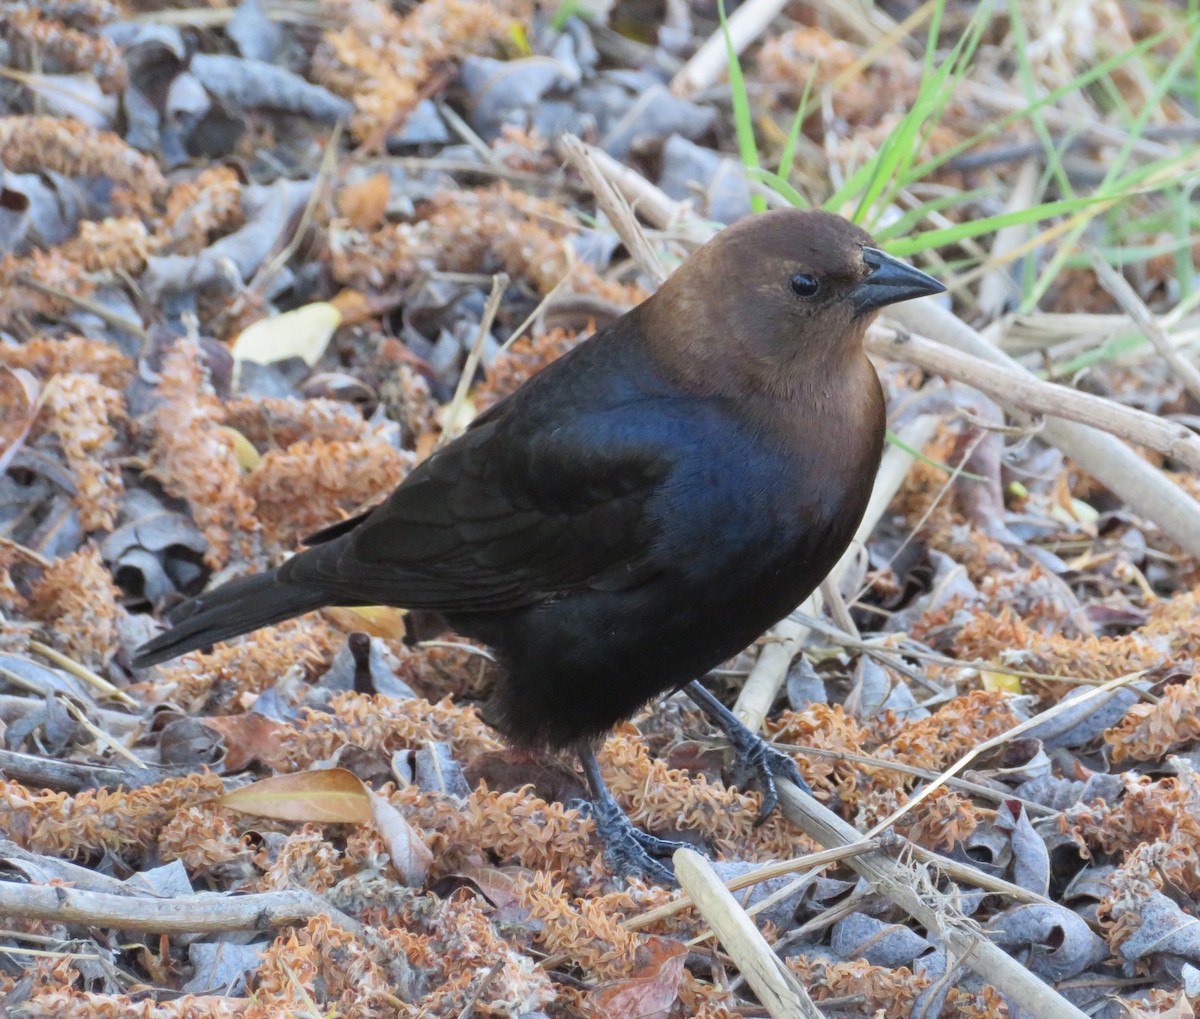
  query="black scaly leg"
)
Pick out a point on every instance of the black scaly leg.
point(628, 850)
point(756, 764)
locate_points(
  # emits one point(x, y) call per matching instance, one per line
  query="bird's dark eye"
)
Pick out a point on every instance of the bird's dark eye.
point(805, 285)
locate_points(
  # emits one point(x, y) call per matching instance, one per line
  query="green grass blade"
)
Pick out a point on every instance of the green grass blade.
point(743, 120)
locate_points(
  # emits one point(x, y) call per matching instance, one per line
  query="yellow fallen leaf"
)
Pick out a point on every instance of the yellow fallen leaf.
point(243, 449)
point(303, 333)
point(1000, 681)
point(330, 796)
point(376, 620)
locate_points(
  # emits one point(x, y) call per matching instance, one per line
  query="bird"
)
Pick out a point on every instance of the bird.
point(636, 513)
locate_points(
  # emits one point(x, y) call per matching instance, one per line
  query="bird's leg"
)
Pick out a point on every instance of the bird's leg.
point(755, 763)
point(628, 850)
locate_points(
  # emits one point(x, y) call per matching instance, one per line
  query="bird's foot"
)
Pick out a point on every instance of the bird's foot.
point(756, 764)
point(630, 851)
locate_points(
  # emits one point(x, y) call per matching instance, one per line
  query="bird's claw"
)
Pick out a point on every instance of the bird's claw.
point(757, 766)
point(630, 851)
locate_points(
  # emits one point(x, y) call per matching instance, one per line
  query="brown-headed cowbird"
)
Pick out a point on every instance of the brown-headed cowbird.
point(640, 510)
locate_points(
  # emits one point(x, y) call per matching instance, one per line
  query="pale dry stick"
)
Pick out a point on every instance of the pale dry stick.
point(1133, 306)
point(839, 611)
point(615, 207)
point(974, 788)
point(900, 882)
point(454, 412)
point(1017, 388)
point(550, 295)
point(203, 913)
point(965, 873)
point(98, 734)
point(770, 670)
point(654, 205)
point(13, 706)
point(776, 868)
point(82, 673)
point(780, 992)
point(711, 60)
point(32, 555)
point(1141, 486)
point(997, 288)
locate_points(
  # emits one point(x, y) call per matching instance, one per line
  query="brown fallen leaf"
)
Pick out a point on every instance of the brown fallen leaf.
point(19, 403)
point(330, 796)
point(651, 991)
point(249, 738)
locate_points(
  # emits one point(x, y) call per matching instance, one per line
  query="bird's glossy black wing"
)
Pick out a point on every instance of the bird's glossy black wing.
point(490, 523)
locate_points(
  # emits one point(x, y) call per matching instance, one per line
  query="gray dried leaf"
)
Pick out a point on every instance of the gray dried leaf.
point(269, 209)
point(75, 96)
point(254, 34)
point(1092, 884)
point(435, 770)
point(1052, 941)
point(187, 104)
point(14, 216)
point(877, 691)
point(51, 725)
point(950, 583)
point(716, 182)
point(1085, 721)
point(986, 848)
point(25, 674)
point(506, 91)
point(804, 685)
point(189, 742)
point(423, 126)
point(156, 552)
point(1030, 858)
point(782, 913)
point(657, 114)
point(366, 664)
point(220, 967)
point(53, 207)
point(1060, 793)
point(881, 944)
point(169, 881)
point(256, 85)
point(1166, 930)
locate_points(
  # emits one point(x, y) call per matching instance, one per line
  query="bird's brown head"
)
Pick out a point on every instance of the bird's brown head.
point(778, 298)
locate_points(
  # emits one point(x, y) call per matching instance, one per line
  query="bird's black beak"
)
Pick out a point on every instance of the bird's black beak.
point(890, 281)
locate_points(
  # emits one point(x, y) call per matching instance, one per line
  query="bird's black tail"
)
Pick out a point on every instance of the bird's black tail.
point(228, 611)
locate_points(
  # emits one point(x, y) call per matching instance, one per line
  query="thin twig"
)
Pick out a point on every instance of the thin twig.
point(1145, 319)
point(614, 205)
point(451, 428)
point(99, 735)
point(996, 741)
point(82, 673)
point(203, 913)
